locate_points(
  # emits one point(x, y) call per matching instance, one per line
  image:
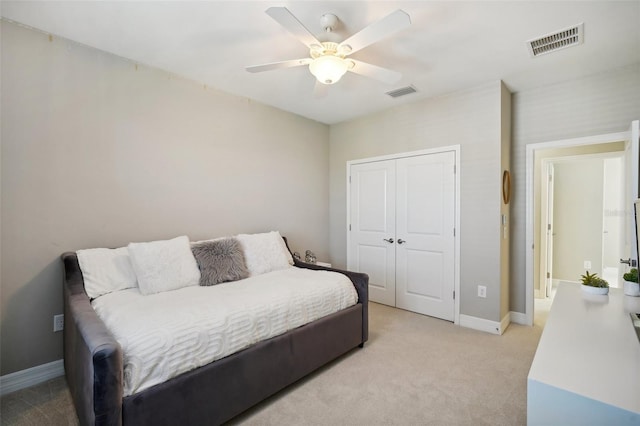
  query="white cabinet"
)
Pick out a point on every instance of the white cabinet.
point(586, 370)
point(402, 218)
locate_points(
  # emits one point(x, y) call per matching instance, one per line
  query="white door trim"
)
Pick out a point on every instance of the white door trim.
point(546, 208)
point(529, 201)
point(456, 150)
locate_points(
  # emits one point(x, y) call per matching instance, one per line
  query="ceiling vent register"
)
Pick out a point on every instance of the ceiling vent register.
point(562, 39)
point(402, 91)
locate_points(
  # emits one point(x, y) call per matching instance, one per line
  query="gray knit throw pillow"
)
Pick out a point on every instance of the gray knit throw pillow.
point(220, 261)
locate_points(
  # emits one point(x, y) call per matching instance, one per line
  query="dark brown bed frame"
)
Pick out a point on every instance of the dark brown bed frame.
point(209, 395)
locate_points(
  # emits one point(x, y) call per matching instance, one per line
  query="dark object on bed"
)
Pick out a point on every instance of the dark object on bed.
point(220, 261)
point(208, 395)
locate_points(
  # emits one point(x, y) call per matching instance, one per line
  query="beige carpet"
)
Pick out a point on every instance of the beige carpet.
point(414, 370)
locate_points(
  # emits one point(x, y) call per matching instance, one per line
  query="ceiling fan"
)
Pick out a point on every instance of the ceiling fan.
point(329, 61)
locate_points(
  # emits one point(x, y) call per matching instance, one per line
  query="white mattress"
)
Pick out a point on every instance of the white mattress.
point(166, 334)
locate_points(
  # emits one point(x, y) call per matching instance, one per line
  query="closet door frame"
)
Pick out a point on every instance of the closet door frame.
point(451, 148)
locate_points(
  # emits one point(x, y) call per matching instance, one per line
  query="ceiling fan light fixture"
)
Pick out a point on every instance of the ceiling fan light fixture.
point(328, 69)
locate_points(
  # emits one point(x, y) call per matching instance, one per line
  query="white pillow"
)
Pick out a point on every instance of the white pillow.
point(164, 265)
point(265, 252)
point(106, 270)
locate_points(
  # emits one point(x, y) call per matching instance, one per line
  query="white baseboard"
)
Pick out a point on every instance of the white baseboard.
point(493, 327)
point(31, 376)
point(518, 318)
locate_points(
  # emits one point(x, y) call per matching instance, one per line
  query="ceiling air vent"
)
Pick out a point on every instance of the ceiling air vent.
point(568, 37)
point(402, 91)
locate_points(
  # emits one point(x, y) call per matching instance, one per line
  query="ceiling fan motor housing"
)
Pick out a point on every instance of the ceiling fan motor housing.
point(326, 48)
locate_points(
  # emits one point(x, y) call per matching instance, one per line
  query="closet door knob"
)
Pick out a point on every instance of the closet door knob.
point(389, 240)
point(401, 241)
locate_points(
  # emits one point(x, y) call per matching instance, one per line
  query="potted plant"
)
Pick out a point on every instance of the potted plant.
point(592, 283)
point(631, 284)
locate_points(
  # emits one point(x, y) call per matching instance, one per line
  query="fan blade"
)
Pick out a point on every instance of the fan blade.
point(388, 25)
point(279, 65)
point(381, 74)
point(291, 24)
point(320, 90)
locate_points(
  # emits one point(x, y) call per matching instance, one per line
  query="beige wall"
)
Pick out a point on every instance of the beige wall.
point(599, 104)
point(577, 217)
point(97, 152)
point(471, 119)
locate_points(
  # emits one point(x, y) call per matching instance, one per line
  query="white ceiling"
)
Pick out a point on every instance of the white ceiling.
point(450, 46)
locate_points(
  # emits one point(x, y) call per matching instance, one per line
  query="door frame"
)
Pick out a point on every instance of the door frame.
point(621, 221)
point(456, 238)
point(530, 202)
point(546, 209)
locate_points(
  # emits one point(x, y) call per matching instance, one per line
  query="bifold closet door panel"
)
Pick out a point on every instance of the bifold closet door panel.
point(425, 221)
point(372, 219)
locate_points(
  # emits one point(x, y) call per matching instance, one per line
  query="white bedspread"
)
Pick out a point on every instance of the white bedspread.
point(163, 335)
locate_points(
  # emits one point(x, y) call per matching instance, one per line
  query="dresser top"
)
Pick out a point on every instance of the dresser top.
point(589, 347)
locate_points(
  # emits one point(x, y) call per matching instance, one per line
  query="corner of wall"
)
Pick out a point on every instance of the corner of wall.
point(481, 324)
point(505, 210)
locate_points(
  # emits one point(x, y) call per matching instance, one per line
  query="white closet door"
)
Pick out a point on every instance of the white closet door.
point(372, 211)
point(425, 223)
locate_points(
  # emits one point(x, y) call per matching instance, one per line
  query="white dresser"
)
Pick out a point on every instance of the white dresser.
point(586, 370)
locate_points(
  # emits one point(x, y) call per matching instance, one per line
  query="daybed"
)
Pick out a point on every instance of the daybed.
point(208, 395)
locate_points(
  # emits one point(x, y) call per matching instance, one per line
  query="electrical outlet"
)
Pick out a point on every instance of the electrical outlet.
point(482, 291)
point(58, 322)
point(587, 264)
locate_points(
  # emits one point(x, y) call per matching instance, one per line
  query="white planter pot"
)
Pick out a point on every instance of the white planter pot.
point(595, 290)
point(631, 288)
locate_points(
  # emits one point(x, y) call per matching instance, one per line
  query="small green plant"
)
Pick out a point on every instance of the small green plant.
point(593, 280)
point(631, 276)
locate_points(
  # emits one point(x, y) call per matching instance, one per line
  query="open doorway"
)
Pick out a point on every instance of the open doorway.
point(579, 229)
point(534, 224)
